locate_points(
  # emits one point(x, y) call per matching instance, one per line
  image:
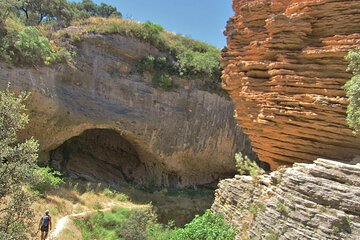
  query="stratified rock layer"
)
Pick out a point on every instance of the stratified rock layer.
point(174, 138)
point(284, 69)
point(308, 201)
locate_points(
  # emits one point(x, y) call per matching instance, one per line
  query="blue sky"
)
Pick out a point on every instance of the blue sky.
point(203, 20)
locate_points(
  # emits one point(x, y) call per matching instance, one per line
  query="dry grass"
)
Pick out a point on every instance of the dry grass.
point(70, 232)
point(65, 201)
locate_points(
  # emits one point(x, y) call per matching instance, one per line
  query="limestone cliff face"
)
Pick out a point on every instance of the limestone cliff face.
point(284, 69)
point(180, 137)
point(308, 201)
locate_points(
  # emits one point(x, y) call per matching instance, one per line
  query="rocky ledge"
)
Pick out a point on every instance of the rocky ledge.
point(284, 68)
point(100, 119)
point(308, 201)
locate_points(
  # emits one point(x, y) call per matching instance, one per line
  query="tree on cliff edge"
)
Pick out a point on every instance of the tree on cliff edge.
point(352, 88)
point(17, 163)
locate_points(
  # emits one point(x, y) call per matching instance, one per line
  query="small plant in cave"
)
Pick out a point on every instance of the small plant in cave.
point(247, 167)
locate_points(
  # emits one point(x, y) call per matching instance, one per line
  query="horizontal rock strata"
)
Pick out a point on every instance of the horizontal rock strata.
point(181, 137)
point(308, 201)
point(284, 69)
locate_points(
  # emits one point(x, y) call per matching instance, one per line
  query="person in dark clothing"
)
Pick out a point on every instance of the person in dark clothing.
point(45, 225)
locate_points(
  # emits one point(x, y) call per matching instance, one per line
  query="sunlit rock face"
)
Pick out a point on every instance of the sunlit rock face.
point(98, 116)
point(285, 69)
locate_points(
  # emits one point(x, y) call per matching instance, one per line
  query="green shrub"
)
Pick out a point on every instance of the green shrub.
point(146, 64)
point(272, 237)
point(247, 167)
point(34, 48)
point(135, 226)
point(160, 232)
point(352, 88)
point(150, 32)
point(280, 207)
point(46, 180)
point(97, 206)
point(163, 80)
point(108, 192)
point(193, 62)
point(17, 159)
point(255, 208)
point(122, 197)
point(119, 223)
point(209, 226)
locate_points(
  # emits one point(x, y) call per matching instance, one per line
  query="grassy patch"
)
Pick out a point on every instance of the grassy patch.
point(247, 167)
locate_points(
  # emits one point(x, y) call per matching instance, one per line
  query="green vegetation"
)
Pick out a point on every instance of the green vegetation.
point(163, 80)
point(31, 32)
point(352, 88)
point(18, 170)
point(210, 226)
point(58, 12)
point(186, 57)
point(27, 45)
point(272, 237)
point(25, 28)
point(247, 167)
point(120, 223)
point(46, 180)
point(141, 223)
point(255, 208)
point(17, 161)
point(282, 208)
point(33, 47)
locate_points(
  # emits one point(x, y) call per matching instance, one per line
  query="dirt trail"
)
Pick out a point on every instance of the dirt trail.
point(62, 222)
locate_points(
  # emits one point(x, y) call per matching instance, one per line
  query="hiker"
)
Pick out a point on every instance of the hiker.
point(45, 225)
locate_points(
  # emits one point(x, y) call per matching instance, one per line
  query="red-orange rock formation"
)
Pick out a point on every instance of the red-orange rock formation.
point(284, 67)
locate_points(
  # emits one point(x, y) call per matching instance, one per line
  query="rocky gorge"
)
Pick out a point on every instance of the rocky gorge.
point(284, 68)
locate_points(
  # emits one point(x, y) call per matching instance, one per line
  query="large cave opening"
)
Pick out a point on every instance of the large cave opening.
point(99, 155)
point(106, 156)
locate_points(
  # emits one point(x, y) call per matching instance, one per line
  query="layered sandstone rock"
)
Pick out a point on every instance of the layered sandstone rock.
point(308, 201)
point(99, 119)
point(284, 69)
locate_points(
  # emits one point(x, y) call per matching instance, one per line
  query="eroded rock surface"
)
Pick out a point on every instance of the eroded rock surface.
point(181, 137)
point(308, 201)
point(284, 69)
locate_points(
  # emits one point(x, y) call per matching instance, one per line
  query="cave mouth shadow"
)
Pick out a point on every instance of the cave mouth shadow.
point(99, 155)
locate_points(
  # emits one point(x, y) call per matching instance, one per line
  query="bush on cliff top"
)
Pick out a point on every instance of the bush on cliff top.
point(30, 33)
point(187, 57)
point(352, 88)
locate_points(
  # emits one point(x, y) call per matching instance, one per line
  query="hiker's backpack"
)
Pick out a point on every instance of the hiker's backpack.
point(45, 220)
